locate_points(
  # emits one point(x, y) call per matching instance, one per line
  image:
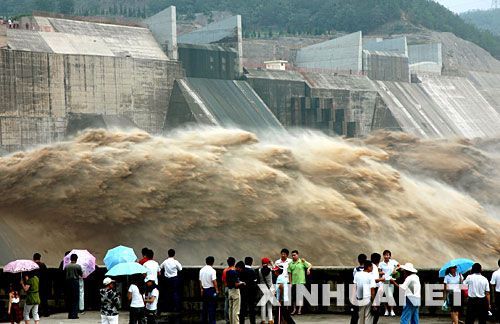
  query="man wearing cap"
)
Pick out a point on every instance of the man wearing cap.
point(110, 302)
point(411, 287)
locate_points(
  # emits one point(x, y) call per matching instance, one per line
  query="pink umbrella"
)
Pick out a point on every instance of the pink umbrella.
point(19, 266)
point(85, 260)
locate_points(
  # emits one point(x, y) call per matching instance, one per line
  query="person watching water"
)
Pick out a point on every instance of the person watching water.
point(152, 267)
point(209, 291)
point(230, 266)
point(248, 291)
point(359, 268)
point(74, 273)
point(145, 258)
point(495, 282)
point(171, 268)
point(478, 302)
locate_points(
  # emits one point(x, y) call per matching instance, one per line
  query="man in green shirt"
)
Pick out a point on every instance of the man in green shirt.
point(297, 270)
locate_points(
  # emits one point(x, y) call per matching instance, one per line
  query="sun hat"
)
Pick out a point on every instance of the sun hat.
point(409, 267)
point(107, 281)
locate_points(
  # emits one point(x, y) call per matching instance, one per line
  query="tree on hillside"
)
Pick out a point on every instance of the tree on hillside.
point(44, 5)
point(66, 6)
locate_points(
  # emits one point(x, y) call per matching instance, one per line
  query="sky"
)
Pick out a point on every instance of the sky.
point(465, 5)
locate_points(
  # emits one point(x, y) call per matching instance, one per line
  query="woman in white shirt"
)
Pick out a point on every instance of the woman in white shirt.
point(452, 282)
point(135, 296)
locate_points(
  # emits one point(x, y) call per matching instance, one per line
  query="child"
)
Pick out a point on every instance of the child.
point(14, 311)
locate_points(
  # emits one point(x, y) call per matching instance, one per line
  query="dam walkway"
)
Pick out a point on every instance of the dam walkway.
point(94, 318)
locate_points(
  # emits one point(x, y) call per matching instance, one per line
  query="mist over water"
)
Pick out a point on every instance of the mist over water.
point(213, 191)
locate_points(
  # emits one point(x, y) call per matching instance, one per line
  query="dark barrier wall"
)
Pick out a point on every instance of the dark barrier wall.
point(54, 280)
point(209, 61)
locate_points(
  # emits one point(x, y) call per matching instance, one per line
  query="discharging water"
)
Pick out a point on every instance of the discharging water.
point(222, 192)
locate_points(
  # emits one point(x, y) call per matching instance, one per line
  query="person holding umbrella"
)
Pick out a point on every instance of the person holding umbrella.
point(452, 282)
point(73, 273)
point(135, 296)
point(110, 302)
point(30, 285)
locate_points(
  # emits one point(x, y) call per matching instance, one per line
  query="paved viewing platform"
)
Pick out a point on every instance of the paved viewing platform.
point(94, 318)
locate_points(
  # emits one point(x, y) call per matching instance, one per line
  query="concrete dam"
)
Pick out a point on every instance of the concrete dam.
point(180, 139)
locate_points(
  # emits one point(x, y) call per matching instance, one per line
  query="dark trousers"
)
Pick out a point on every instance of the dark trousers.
point(72, 297)
point(354, 314)
point(376, 315)
point(497, 305)
point(284, 315)
point(209, 306)
point(247, 307)
point(44, 306)
point(476, 308)
point(137, 315)
point(174, 294)
point(150, 317)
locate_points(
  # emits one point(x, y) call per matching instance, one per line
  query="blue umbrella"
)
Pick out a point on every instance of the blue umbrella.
point(463, 265)
point(119, 254)
point(126, 269)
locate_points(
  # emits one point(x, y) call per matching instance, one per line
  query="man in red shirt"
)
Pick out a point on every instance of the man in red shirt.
point(230, 266)
point(144, 257)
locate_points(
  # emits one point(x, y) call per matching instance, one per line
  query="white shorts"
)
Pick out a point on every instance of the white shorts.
point(109, 319)
point(33, 309)
point(389, 290)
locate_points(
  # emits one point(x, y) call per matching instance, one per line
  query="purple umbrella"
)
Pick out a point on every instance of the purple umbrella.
point(19, 266)
point(85, 260)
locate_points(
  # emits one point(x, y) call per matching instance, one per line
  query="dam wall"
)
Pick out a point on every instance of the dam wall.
point(440, 107)
point(38, 90)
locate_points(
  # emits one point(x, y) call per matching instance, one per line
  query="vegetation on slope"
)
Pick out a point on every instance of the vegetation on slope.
point(484, 19)
point(285, 16)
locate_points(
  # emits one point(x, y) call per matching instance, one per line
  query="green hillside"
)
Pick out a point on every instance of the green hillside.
point(484, 19)
point(286, 16)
